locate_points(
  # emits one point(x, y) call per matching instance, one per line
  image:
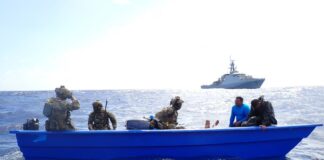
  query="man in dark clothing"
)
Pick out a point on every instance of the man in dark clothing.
point(99, 118)
point(261, 114)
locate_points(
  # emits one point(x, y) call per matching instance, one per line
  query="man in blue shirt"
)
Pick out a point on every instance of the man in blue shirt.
point(240, 113)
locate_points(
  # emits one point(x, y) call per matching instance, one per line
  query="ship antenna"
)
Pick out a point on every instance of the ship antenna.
point(232, 66)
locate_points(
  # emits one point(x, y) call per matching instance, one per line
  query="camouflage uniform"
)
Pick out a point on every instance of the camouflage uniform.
point(99, 118)
point(167, 118)
point(58, 110)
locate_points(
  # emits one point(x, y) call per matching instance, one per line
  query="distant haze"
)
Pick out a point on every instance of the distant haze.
point(124, 44)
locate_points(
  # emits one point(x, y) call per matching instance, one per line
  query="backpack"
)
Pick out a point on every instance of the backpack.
point(47, 110)
point(31, 124)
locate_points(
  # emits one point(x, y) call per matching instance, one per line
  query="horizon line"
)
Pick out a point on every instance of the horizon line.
point(114, 89)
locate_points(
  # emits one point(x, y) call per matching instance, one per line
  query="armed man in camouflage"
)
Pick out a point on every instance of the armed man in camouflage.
point(99, 118)
point(167, 118)
point(58, 110)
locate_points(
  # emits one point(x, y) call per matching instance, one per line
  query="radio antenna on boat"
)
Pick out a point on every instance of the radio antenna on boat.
point(106, 104)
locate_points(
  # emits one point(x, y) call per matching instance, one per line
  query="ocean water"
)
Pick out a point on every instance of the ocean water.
point(298, 105)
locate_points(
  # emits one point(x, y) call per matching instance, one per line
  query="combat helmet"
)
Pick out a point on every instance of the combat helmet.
point(97, 105)
point(176, 102)
point(63, 93)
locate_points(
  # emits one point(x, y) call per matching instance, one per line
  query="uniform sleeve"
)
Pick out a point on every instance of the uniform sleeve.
point(75, 105)
point(158, 115)
point(170, 111)
point(112, 119)
point(231, 124)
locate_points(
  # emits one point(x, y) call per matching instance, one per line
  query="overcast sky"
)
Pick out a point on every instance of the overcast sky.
point(124, 44)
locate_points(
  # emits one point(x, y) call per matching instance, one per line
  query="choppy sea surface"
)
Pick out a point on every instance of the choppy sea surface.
point(297, 105)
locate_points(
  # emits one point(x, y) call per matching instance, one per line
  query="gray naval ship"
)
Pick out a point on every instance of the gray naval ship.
point(235, 80)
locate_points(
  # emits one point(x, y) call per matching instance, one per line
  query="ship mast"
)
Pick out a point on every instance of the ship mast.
point(232, 67)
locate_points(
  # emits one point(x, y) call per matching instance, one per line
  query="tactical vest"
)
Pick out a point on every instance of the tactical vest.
point(59, 117)
point(100, 121)
point(168, 116)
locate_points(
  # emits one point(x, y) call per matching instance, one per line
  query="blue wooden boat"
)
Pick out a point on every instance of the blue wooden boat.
point(241, 143)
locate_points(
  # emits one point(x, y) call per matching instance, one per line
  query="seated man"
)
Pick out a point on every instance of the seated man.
point(240, 112)
point(99, 118)
point(261, 114)
point(167, 118)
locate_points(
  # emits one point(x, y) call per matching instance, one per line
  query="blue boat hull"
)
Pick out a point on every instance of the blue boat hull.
point(242, 143)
